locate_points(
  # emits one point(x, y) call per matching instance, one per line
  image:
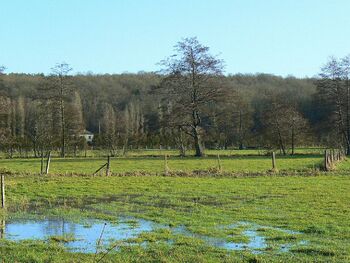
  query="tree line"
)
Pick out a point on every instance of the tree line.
point(189, 104)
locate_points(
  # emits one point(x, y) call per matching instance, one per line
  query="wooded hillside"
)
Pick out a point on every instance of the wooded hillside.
point(124, 110)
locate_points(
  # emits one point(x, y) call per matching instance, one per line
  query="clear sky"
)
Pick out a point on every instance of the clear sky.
point(283, 37)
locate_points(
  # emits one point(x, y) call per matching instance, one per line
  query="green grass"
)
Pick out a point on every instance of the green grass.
point(154, 165)
point(317, 206)
point(344, 165)
point(62, 238)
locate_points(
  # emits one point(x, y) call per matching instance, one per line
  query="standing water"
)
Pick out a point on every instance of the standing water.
point(84, 237)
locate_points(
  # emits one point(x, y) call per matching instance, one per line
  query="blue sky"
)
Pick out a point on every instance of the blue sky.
point(282, 37)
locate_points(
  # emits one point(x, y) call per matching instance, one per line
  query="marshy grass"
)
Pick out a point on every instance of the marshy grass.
point(63, 238)
point(315, 206)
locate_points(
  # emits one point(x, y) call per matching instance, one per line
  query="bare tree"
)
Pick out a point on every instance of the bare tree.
point(75, 122)
point(109, 128)
point(191, 82)
point(283, 124)
point(62, 90)
point(334, 91)
point(233, 122)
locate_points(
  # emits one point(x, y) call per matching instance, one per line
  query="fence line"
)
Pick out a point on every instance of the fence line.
point(107, 165)
point(331, 158)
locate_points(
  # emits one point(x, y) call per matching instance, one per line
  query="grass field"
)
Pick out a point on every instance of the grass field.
point(307, 213)
point(154, 165)
point(315, 206)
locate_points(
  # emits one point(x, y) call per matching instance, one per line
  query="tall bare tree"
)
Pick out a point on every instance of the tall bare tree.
point(191, 82)
point(75, 123)
point(283, 125)
point(334, 91)
point(108, 124)
point(62, 90)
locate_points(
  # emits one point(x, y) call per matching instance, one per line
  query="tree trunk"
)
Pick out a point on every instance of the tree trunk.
point(125, 146)
point(182, 150)
point(293, 135)
point(347, 117)
point(35, 149)
point(63, 138)
point(197, 143)
point(282, 147)
point(280, 140)
point(347, 148)
point(181, 144)
point(240, 131)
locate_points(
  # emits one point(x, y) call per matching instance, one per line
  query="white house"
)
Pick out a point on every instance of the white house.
point(89, 136)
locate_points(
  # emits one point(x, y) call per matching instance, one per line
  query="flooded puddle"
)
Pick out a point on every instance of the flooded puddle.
point(81, 237)
point(256, 243)
point(84, 237)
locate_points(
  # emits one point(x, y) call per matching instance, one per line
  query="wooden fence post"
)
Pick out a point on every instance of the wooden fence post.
point(274, 161)
point(219, 163)
point(3, 191)
point(48, 163)
point(42, 163)
point(166, 168)
point(108, 165)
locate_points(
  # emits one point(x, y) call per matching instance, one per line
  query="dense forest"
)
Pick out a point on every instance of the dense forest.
point(43, 112)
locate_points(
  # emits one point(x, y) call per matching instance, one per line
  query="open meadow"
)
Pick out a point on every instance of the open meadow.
point(244, 212)
point(295, 218)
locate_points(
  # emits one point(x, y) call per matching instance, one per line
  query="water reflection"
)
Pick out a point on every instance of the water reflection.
point(85, 234)
point(84, 237)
